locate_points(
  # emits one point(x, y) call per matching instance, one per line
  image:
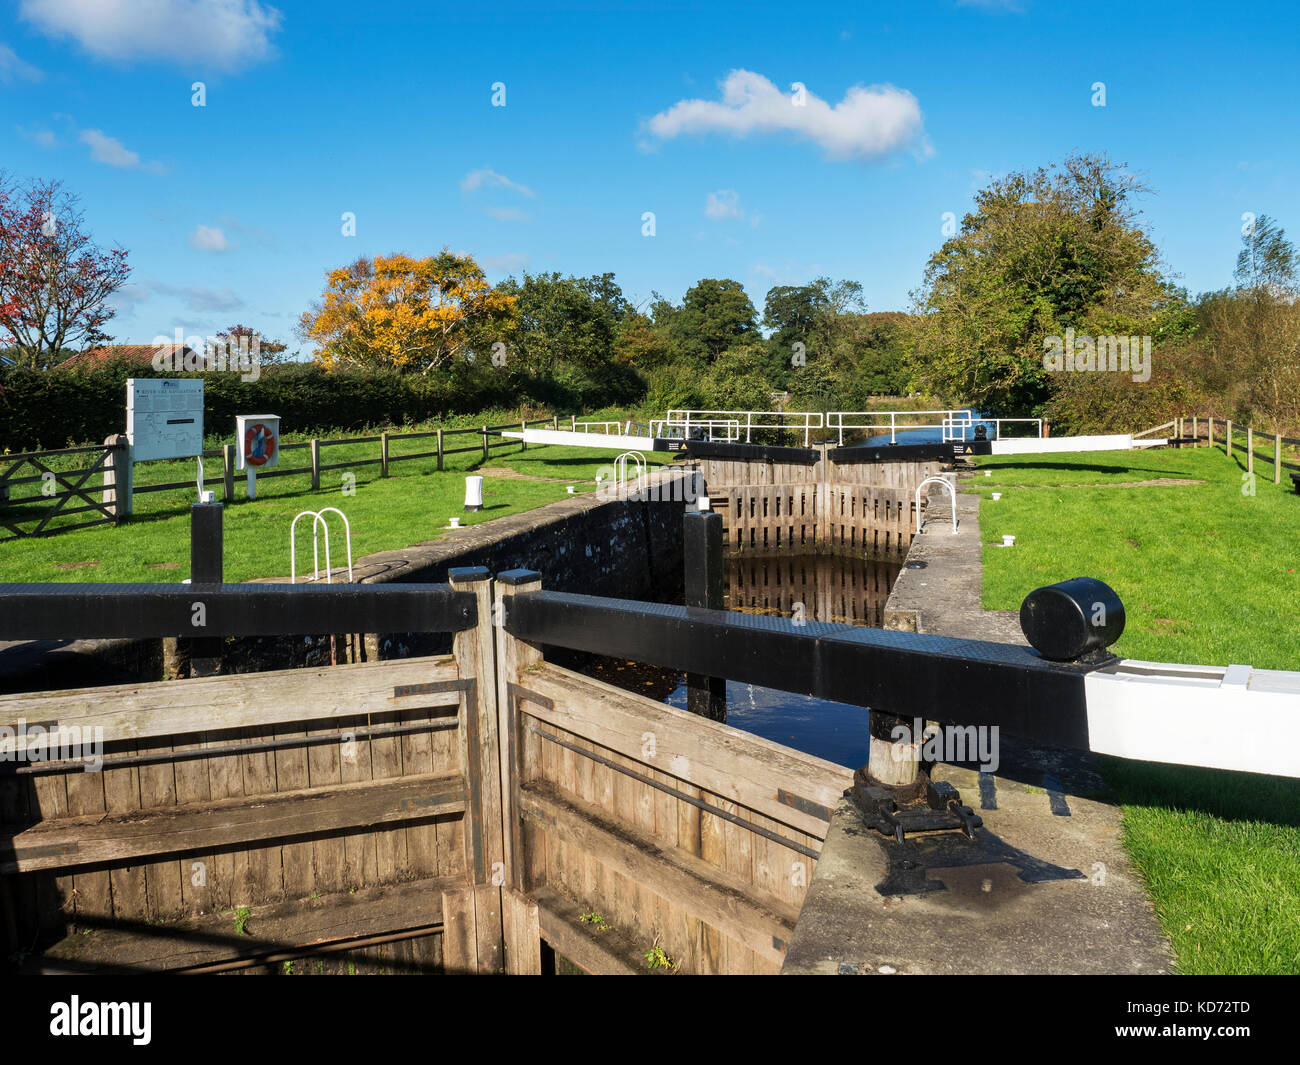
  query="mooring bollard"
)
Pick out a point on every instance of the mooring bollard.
point(703, 569)
point(1074, 621)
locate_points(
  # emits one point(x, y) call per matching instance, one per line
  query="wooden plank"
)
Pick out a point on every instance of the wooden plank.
point(724, 901)
point(724, 760)
point(265, 865)
point(488, 929)
point(459, 936)
point(247, 700)
point(517, 754)
point(162, 879)
point(84, 840)
point(521, 925)
point(324, 770)
point(122, 797)
point(280, 927)
point(481, 747)
point(92, 892)
point(590, 951)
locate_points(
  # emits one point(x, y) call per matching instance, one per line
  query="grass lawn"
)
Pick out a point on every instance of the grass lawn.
point(1208, 573)
point(410, 506)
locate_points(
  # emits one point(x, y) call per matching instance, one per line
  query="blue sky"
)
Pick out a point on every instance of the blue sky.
point(232, 211)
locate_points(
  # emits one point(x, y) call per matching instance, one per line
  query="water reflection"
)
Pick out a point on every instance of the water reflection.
point(849, 591)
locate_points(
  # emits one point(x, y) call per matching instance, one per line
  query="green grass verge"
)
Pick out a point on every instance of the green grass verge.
point(410, 506)
point(1209, 574)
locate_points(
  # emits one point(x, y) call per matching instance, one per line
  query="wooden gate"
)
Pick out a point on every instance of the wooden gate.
point(48, 491)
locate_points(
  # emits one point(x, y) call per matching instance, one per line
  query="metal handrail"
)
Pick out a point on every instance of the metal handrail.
point(318, 520)
point(952, 494)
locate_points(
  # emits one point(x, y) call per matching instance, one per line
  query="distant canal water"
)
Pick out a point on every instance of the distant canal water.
point(850, 591)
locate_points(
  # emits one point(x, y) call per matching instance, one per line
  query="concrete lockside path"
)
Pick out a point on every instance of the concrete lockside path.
point(987, 918)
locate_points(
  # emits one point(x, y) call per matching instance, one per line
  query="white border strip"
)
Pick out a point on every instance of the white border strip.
point(1236, 717)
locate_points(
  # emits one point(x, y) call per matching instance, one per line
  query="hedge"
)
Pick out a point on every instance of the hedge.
point(41, 410)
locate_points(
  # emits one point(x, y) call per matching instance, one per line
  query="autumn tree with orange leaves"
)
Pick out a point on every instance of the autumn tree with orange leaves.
point(413, 315)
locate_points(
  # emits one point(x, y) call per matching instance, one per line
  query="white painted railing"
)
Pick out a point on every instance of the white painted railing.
point(954, 425)
point(742, 422)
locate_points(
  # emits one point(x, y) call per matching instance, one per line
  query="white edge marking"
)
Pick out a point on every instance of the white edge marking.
point(1196, 715)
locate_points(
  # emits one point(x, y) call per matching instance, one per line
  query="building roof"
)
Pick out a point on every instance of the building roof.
point(141, 355)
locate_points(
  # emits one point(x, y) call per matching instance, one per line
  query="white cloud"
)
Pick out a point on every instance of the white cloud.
point(487, 178)
point(505, 264)
point(11, 67)
point(43, 138)
point(128, 298)
point(209, 238)
point(196, 298)
point(867, 123)
point(110, 150)
point(225, 34)
point(725, 203)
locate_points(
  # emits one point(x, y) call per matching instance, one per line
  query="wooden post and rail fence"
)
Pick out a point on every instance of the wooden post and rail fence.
point(1195, 429)
point(57, 493)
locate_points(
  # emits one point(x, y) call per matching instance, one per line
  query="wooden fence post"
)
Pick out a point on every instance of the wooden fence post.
point(573, 422)
point(1196, 435)
point(1277, 459)
point(485, 443)
point(523, 444)
point(383, 454)
point(119, 473)
point(439, 450)
point(1250, 449)
point(1227, 437)
point(315, 465)
point(481, 757)
point(1209, 432)
point(228, 473)
point(520, 752)
point(555, 422)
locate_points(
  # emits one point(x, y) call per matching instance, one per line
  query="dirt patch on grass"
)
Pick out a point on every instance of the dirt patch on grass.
point(515, 475)
point(1155, 482)
point(75, 565)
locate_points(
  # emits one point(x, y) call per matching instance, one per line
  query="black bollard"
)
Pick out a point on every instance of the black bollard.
point(702, 541)
point(206, 567)
point(1073, 621)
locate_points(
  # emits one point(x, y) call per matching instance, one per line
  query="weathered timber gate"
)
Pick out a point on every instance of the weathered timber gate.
point(459, 812)
point(49, 493)
point(821, 499)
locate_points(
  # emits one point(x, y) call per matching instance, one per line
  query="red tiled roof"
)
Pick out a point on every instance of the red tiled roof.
point(136, 354)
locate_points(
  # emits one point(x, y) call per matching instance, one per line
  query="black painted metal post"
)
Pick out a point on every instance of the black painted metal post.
point(206, 567)
point(702, 541)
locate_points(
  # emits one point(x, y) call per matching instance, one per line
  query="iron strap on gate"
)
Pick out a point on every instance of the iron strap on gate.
point(106, 611)
point(966, 682)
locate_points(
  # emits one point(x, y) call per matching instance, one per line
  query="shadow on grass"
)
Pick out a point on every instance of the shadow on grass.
point(1224, 794)
point(1088, 467)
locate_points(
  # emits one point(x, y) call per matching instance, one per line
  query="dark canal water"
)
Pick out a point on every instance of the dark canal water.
point(850, 591)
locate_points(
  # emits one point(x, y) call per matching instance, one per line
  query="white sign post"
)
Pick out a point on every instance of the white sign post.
point(257, 436)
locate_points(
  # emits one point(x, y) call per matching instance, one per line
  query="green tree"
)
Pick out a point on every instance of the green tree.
point(1061, 247)
point(714, 315)
point(1255, 327)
